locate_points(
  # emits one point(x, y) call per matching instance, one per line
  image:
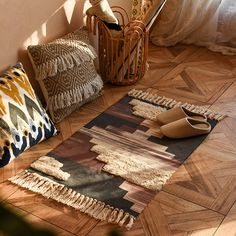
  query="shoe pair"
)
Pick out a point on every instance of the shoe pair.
point(178, 122)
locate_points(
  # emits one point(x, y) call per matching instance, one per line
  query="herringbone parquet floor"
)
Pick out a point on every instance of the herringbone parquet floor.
point(199, 199)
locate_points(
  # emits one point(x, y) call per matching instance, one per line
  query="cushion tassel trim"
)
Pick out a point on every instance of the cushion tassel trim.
point(81, 93)
point(170, 103)
point(64, 62)
point(60, 193)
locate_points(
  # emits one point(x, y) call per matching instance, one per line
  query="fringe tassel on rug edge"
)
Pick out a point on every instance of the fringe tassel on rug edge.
point(53, 190)
point(170, 103)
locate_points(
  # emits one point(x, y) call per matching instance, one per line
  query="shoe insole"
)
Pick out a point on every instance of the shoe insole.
point(198, 117)
point(202, 126)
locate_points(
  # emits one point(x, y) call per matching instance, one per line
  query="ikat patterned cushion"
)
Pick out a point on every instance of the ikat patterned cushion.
point(23, 121)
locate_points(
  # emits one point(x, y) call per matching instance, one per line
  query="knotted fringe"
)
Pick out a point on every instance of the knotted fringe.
point(169, 103)
point(77, 95)
point(64, 62)
point(59, 192)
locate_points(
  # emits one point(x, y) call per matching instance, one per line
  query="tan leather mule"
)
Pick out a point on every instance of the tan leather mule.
point(185, 127)
point(178, 113)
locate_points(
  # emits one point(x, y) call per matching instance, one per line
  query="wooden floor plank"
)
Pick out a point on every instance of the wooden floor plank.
point(164, 60)
point(105, 229)
point(190, 218)
point(227, 102)
point(200, 79)
point(228, 226)
point(52, 212)
point(154, 220)
point(38, 222)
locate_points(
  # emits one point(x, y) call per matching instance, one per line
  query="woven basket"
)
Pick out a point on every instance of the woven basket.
point(122, 54)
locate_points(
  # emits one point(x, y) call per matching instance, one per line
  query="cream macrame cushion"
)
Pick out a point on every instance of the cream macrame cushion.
point(102, 10)
point(66, 73)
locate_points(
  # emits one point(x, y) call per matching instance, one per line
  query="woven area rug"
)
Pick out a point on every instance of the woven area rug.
point(112, 167)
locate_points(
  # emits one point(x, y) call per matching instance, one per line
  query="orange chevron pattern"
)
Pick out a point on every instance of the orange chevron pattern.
point(2, 107)
point(22, 80)
point(200, 197)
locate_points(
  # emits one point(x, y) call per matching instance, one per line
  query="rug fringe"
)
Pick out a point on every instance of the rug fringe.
point(169, 103)
point(59, 192)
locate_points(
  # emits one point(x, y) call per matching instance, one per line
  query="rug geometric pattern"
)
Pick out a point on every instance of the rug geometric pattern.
point(154, 156)
point(118, 129)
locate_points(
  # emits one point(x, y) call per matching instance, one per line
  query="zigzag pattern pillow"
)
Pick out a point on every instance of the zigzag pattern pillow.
point(23, 121)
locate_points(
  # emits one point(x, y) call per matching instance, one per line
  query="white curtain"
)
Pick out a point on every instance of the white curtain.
point(210, 23)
